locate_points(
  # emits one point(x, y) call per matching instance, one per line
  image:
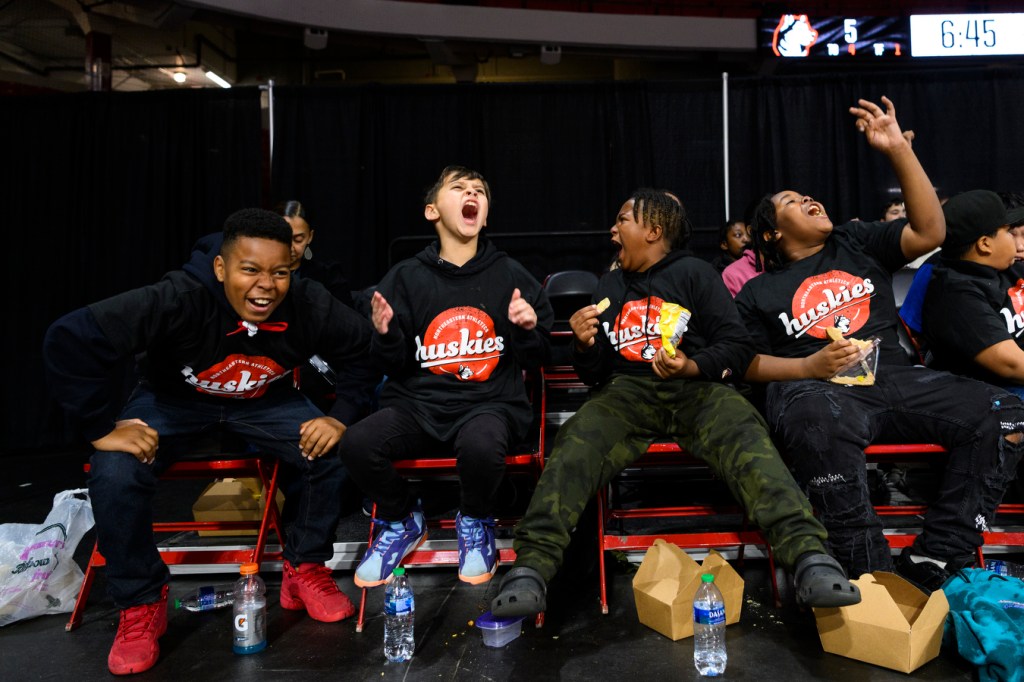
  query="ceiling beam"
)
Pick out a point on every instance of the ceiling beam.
point(456, 22)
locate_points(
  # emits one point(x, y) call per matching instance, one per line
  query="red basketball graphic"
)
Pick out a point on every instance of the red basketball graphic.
point(237, 376)
point(833, 299)
point(460, 341)
point(636, 335)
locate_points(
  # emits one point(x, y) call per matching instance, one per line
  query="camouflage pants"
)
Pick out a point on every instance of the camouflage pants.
point(614, 427)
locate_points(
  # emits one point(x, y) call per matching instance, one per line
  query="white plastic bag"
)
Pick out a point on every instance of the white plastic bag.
point(38, 573)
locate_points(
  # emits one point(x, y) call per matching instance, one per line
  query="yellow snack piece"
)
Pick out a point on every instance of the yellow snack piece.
point(603, 304)
point(672, 324)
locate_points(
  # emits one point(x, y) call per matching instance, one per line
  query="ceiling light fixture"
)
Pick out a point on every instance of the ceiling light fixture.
point(217, 79)
point(180, 77)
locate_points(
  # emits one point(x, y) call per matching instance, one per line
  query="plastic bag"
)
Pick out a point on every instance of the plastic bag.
point(38, 573)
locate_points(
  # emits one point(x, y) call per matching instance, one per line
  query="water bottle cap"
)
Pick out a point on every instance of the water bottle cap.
point(249, 569)
point(708, 578)
point(399, 571)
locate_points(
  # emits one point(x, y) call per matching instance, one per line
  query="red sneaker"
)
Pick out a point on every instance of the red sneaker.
point(311, 587)
point(135, 645)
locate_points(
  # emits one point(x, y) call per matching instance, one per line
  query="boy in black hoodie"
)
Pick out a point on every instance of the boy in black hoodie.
point(456, 326)
point(644, 393)
point(221, 339)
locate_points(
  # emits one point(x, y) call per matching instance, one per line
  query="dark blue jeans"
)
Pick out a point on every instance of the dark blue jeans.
point(823, 428)
point(122, 487)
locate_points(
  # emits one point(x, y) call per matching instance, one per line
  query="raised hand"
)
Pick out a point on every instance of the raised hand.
point(382, 313)
point(520, 312)
point(880, 127)
point(584, 326)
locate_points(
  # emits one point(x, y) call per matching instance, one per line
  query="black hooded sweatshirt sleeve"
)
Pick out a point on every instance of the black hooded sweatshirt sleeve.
point(629, 335)
point(187, 329)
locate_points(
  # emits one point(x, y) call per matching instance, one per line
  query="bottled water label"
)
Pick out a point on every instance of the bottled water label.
point(207, 597)
point(713, 615)
point(398, 606)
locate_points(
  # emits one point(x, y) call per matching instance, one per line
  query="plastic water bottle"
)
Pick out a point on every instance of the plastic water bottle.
point(399, 613)
point(709, 654)
point(1007, 568)
point(207, 598)
point(250, 607)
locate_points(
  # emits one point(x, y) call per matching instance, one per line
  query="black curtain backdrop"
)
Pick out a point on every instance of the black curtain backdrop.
point(104, 192)
point(562, 157)
point(108, 191)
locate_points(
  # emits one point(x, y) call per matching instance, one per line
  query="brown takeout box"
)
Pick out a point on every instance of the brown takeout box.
point(231, 499)
point(666, 581)
point(895, 625)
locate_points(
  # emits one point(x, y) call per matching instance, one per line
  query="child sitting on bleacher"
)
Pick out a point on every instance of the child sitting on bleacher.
point(221, 339)
point(973, 314)
point(643, 393)
point(456, 326)
point(819, 276)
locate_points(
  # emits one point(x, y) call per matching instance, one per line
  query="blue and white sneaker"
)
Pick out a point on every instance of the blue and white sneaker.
point(394, 541)
point(478, 557)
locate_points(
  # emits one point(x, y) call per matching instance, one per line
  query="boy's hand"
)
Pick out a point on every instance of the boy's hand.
point(132, 436)
point(584, 326)
point(880, 127)
point(520, 312)
point(318, 436)
point(382, 313)
point(668, 367)
point(831, 359)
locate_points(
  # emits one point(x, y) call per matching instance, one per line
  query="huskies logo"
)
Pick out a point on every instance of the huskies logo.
point(461, 342)
point(793, 36)
point(636, 334)
point(1015, 318)
point(237, 376)
point(834, 299)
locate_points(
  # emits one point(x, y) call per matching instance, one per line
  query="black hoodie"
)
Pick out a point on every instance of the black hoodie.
point(629, 336)
point(194, 344)
point(450, 352)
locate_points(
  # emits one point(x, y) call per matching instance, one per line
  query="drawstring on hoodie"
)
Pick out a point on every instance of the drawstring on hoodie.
point(252, 327)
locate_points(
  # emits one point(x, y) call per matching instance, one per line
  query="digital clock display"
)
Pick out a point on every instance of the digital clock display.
point(966, 35)
point(807, 35)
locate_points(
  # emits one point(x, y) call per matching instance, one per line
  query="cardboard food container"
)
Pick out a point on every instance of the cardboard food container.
point(231, 499)
point(895, 625)
point(666, 581)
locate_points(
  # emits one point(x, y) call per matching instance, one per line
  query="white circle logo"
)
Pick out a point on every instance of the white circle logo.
point(241, 622)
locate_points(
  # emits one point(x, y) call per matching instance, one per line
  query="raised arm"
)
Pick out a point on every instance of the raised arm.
point(926, 229)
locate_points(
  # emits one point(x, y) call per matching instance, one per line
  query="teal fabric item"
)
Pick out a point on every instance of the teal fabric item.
point(986, 623)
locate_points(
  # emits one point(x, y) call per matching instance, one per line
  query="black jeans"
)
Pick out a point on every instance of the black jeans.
point(370, 445)
point(823, 429)
point(122, 487)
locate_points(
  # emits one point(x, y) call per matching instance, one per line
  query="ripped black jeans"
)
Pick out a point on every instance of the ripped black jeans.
point(822, 429)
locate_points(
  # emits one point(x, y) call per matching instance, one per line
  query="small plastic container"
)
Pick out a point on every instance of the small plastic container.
point(862, 371)
point(497, 632)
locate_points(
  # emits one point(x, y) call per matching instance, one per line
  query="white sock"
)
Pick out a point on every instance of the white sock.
point(917, 558)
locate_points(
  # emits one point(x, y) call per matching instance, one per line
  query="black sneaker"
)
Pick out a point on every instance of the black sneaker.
point(925, 575)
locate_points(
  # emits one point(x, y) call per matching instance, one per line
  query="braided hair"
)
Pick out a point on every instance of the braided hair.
point(762, 232)
point(661, 207)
